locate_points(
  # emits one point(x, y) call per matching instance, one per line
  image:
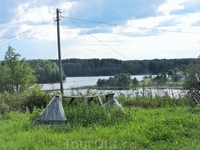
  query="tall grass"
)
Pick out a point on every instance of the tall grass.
point(149, 122)
point(149, 100)
point(157, 128)
point(93, 114)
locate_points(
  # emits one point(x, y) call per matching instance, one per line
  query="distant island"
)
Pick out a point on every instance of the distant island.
point(171, 79)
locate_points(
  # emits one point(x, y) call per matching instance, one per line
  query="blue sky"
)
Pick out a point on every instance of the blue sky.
point(128, 30)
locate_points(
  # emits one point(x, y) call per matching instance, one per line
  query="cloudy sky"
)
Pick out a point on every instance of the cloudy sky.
point(125, 30)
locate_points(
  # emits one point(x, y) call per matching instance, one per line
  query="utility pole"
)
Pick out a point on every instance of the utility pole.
point(59, 50)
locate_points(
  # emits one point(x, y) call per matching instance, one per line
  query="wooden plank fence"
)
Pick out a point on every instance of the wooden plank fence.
point(91, 97)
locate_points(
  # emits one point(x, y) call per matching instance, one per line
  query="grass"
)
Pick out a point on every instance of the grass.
point(149, 122)
point(160, 127)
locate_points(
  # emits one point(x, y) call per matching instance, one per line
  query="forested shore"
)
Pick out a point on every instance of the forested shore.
point(47, 70)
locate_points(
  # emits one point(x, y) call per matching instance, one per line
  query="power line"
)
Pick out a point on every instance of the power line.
point(98, 39)
point(27, 31)
point(156, 29)
point(13, 38)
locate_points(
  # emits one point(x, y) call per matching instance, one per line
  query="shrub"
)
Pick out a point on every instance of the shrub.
point(31, 98)
point(36, 98)
point(4, 108)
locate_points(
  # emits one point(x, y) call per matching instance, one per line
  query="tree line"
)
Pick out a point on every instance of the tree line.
point(47, 71)
point(109, 67)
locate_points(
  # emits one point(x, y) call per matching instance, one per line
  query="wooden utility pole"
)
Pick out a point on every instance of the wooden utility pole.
point(59, 50)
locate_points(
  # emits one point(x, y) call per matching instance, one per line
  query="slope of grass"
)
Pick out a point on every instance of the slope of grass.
point(152, 128)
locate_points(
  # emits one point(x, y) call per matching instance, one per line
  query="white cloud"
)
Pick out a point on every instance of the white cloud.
point(31, 12)
point(170, 5)
point(166, 45)
point(30, 16)
point(134, 39)
point(35, 14)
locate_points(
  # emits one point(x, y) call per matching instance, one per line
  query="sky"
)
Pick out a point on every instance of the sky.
point(124, 30)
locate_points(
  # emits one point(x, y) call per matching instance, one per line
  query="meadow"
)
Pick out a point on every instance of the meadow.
point(147, 123)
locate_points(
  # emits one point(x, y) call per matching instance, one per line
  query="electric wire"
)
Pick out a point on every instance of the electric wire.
point(13, 38)
point(98, 39)
point(155, 29)
point(27, 31)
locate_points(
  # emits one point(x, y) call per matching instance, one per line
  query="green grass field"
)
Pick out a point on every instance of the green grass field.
point(93, 127)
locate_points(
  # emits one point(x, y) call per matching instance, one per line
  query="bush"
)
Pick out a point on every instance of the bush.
point(34, 97)
point(4, 108)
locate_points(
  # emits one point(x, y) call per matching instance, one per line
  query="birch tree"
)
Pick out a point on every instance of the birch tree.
point(15, 75)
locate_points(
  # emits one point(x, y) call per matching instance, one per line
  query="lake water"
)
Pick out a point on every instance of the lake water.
point(72, 84)
point(75, 82)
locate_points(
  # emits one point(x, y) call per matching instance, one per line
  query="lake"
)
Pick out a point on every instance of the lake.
point(76, 82)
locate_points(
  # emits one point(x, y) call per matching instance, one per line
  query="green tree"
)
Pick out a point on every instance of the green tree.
point(14, 74)
point(176, 79)
point(4, 78)
point(176, 70)
point(101, 82)
point(135, 82)
point(191, 80)
point(47, 71)
point(170, 73)
point(153, 67)
point(122, 79)
point(160, 78)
